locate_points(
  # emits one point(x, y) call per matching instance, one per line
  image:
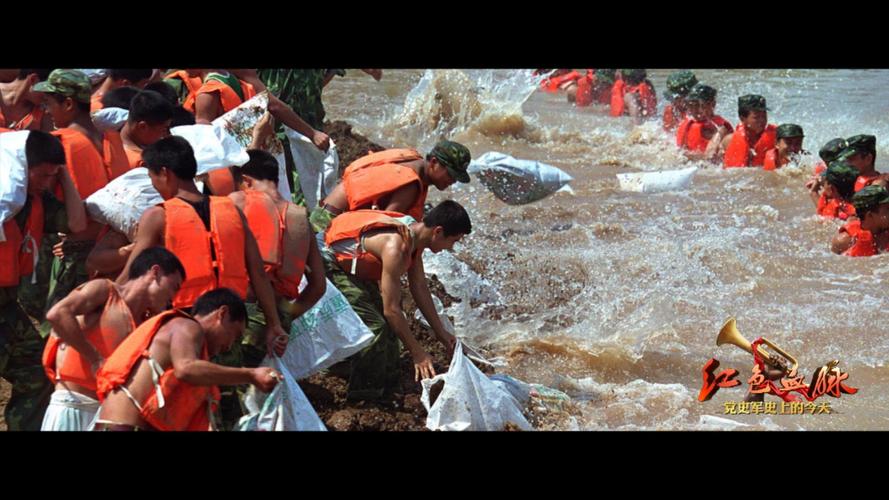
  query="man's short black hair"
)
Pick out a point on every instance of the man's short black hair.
point(262, 166)
point(43, 147)
point(160, 256)
point(174, 153)
point(182, 116)
point(451, 216)
point(42, 73)
point(119, 97)
point(213, 300)
point(165, 89)
point(133, 75)
point(150, 107)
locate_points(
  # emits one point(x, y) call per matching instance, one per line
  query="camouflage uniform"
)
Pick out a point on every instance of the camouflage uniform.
point(70, 271)
point(21, 347)
point(301, 90)
point(248, 353)
point(374, 370)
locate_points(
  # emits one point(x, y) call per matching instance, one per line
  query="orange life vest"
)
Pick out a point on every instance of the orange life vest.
point(834, 207)
point(585, 84)
point(183, 407)
point(670, 118)
point(96, 102)
point(738, 152)
point(227, 95)
point(369, 179)
point(647, 98)
point(281, 239)
point(134, 157)
point(192, 84)
point(351, 226)
point(186, 236)
point(221, 182)
point(771, 160)
point(819, 168)
point(116, 160)
point(864, 244)
point(554, 84)
point(30, 121)
point(690, 134)
point(19, 253)
point(115, 323)
point(85, 166)
point(864, 181)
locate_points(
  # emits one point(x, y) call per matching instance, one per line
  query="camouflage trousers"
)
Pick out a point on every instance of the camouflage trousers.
point(32, 292)
point(374, 370)
point(21, 350)
point(248, 353)
point(67, 274)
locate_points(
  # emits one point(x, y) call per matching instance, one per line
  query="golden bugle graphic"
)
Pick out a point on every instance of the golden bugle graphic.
point(730, 335)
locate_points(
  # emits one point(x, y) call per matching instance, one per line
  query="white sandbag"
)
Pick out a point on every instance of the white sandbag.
point(110, 118)
point(540, 396)
point(13, 174)
point(468, 350)
point(656, 182)
point(317, 170)
point(239, 123)
point(324, 335)
point(518, 182)
point(122, 201)
point(469, 400)
point(213, 147)
point(286, 408)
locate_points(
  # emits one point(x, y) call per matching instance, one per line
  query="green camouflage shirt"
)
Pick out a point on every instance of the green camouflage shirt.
point(300, 89)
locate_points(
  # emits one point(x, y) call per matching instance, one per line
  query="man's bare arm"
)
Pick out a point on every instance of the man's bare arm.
point(420, 292)
point(151, 227)
point(63, 316)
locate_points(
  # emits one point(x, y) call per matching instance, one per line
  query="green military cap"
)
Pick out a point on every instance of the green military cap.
point(67, 82)
point(860, 144)
point(455, 157)
point(833, 149)
point(679, 84)
point(752, 102)
point(701, 92)
point(605, 75)
point(841, 173)
point(869, 198)
point(633, 75)
point(788, 130)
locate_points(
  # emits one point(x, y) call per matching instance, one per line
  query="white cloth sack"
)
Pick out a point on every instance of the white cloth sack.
point(324, 335)
point(214, 148)
point(239, 123)
point(657, 182)
point(518, 182)
point(13, 175)
point(286, 408)
point(110, 118)
point(317, 170)
point(470, 401)
point(122, 201)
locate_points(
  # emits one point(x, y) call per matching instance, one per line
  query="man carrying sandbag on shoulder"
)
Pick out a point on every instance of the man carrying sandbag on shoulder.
point(372, 250)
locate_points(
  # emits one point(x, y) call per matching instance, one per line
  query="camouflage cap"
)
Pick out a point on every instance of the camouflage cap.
point(832, 150)
point(840, 173)
point(752, 102)
point(869, 198)
point(605, 75)
point(701, 92)
point(67, 82)
point(633, 75)
point(788, 130)
point(679, 84)
point(861, 143)
point(455, 157)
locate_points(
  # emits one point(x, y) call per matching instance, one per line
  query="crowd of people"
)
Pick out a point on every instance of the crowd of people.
point(157, 330)
point(845, 183)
